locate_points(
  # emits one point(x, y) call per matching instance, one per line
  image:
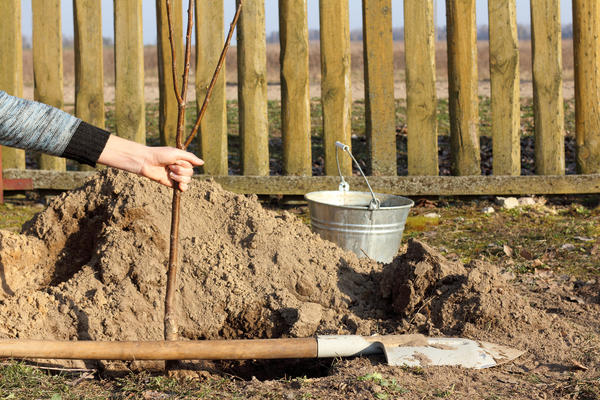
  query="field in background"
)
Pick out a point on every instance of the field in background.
point(151, 70)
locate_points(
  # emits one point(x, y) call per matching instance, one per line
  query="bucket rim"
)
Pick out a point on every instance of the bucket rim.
point(366, 207)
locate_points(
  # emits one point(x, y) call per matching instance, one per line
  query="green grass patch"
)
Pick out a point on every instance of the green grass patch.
point(563, 238)
point(12, 217)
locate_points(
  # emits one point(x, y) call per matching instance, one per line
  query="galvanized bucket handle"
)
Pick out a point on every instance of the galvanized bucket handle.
point(374, 204)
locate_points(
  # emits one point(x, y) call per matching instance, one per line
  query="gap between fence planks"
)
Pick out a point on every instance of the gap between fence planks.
point(380, 108)
point(402, 185)
point(586, 24)
point(252, 88)
point(167, 100)
point(336, 92)
point(547, 87)
point(89, 64)
point(421, 99)
point(213, 129)
point(295, 101)
point(505, 97)
point(130, 106)
point(48, 64)
point(463, 87)
point(11, 67)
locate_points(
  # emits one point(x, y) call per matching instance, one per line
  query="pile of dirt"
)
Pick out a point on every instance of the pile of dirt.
point(438, 296)
point(93, 266)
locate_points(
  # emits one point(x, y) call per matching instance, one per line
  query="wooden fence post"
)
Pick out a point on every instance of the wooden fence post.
point(130, 106)
point(380, 108)
point(252, 88)
point(48, 64)
point(295, 101)
point(11, 68)
point(586, 24)
point(167, 99)
point(336, 92)
point(89, 64)
point(209, 43)
point(463, 86)
point(547, 87)
point(421, 98)
point(504, 75)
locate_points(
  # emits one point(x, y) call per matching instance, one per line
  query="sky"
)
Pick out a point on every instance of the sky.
point(271, 10)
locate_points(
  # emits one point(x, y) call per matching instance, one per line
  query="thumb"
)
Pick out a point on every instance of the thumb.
point(182, 155)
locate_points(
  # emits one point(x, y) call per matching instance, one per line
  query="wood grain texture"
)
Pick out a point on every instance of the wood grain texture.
point(89, 65)
point(401, 185)
point(252, 88)
point(547, 87)
point(167, 100)
point(336, 91)
point(11, 67)
point(463, 86)
point(504, 76)
point(130, 115)
point(295, 101)
point(48, 64)
point(421, 99)
point(380, 110)
point(213, 129)
point(586, 24)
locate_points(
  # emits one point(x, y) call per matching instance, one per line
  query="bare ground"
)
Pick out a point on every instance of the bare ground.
point(524, 278)
point(151, 91)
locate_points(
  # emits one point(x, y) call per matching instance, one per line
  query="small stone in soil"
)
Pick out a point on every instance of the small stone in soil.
point(526, 201)
point(507, 203)
point(432, 215)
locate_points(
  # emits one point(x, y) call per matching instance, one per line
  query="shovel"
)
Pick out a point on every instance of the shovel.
point(407, 350)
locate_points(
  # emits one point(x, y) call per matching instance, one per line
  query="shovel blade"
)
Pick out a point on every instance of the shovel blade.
point(465, 353)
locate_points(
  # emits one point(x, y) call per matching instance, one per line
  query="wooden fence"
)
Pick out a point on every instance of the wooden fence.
point(336, 98)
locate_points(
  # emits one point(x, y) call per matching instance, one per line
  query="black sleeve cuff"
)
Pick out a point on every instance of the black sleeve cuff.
point(87, 144)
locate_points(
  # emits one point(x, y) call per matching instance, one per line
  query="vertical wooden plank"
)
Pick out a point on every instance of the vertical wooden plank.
point(11, 67)
point(504, 75)
point(295, 101)
point(167, 99)
point(421, 98)
point(586, 23)
point(209, 43)
point(463, 85)
point(378, 43)
point(11, 51)
point(130, 116)
point(336, 92)
point(89, 64)
point(252, 88)
point(547, 87)
point(48, 64)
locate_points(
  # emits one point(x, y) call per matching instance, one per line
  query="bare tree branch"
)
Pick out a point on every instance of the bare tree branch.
point(170, 324)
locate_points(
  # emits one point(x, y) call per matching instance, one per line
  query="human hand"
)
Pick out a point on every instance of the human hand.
point(168, 165)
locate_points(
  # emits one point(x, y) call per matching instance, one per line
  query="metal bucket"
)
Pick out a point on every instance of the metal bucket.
point(368, 224)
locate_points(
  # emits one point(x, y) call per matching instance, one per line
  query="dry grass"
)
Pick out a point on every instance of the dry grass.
point(151, 68)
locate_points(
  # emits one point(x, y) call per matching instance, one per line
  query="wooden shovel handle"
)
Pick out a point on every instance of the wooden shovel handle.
point(161, 350)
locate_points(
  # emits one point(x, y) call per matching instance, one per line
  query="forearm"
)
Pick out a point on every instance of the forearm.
point(35, 126)
point(124, 154)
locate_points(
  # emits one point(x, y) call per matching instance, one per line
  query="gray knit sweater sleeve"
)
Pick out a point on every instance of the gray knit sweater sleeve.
point(35, 126)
